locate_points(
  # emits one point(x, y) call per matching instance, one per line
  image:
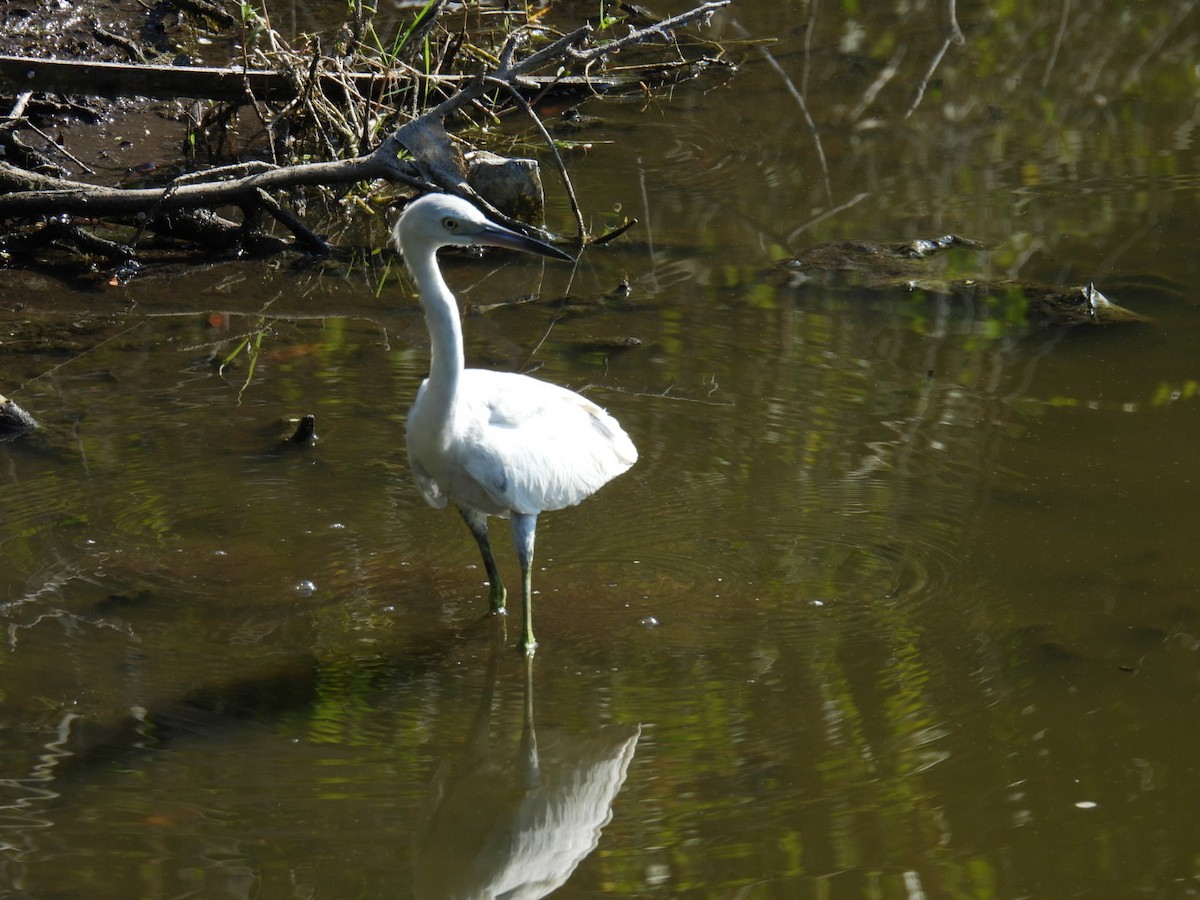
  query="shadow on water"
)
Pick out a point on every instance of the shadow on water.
point(493, 822)
point(87, 751)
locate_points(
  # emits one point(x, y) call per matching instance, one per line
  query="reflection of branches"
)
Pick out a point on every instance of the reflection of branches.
point(22, 800)
point(955, 36)
point(798, 96)
point(1058, 39)
point(869, 95)
point(853, 201)
point(808, 34)
point(808, 119)
point(38, 604)
point(1135, 71)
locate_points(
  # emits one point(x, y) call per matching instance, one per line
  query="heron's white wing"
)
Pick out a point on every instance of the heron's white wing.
point(419, 450)
point(428, 486)
point(534, 446)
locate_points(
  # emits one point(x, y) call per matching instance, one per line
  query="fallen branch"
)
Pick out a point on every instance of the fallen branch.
point(29, 194)
point(235, 84)
point(419, 153)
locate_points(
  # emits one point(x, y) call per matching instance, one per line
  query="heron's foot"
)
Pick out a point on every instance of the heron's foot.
point(497, 597)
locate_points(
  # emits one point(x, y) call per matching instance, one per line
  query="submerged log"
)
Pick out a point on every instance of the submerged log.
point(874, 266)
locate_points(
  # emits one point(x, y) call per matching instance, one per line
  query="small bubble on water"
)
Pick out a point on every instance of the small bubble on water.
point(649, 621)
point(306, 588)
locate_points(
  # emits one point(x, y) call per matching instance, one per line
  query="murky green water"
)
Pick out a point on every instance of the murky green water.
point(900, 601)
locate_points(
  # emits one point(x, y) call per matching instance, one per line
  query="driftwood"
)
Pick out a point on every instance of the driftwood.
point(419, 153)
point(110, 79)
point(28, 194)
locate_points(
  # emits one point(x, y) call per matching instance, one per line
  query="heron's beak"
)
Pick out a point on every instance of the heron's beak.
point(494, 235)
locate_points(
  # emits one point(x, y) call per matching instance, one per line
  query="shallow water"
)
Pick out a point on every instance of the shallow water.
point(900, 600)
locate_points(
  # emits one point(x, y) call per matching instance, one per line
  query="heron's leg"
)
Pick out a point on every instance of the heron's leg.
point(523, 527)
point(477, 522)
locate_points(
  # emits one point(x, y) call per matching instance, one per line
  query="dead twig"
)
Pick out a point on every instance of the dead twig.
point(18, 107)
point(558, 160)
point(60, 148)
point(292, 222)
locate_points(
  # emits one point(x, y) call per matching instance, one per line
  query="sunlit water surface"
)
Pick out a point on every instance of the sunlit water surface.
point(900, 600)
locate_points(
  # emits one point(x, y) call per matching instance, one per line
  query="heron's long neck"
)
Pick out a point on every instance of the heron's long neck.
point(445, 330)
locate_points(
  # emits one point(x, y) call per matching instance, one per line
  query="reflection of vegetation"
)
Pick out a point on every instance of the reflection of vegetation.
point(1163, 394)
point(251, 345)
point(835, 716)
point(1025, 127)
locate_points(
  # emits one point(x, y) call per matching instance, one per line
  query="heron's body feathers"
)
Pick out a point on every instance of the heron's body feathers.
point(515, 444)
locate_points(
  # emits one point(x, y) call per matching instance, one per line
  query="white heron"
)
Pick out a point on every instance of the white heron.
point(495, 443)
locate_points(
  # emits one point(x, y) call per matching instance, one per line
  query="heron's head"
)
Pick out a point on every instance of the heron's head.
point(441, 220)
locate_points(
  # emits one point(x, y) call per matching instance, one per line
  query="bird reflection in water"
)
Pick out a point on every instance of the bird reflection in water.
point(517, 828)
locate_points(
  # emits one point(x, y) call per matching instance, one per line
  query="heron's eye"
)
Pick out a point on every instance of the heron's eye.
point(450, 224)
